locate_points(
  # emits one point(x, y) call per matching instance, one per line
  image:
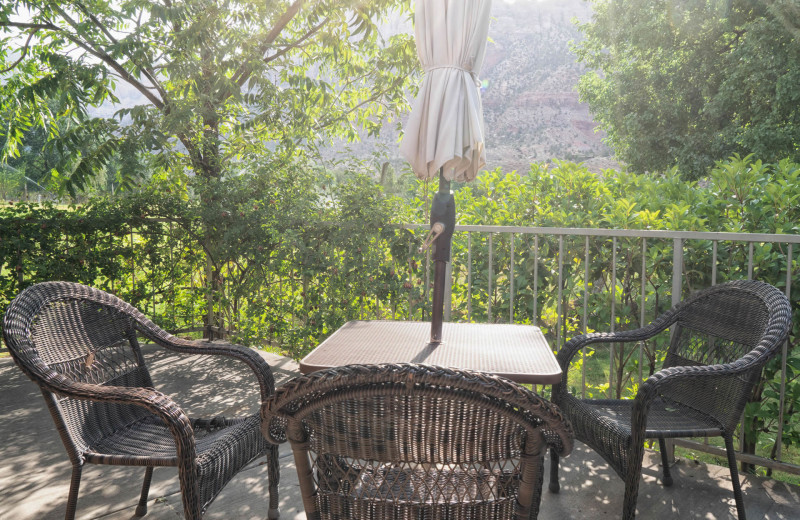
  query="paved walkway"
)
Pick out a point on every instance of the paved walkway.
point(35, 472)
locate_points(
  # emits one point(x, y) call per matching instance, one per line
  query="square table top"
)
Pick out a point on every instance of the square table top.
point(517, 352)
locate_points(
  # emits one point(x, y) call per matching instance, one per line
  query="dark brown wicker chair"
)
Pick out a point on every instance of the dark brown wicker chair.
point(721, 339)
point(415, 441)
point(80, 346)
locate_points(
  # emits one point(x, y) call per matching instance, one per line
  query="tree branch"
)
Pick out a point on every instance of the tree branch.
point(108, 60)
point(241, 76)
point(371, 99)
point(35, 26)
point(296, 44)
point(24, 52)
point(144, 70)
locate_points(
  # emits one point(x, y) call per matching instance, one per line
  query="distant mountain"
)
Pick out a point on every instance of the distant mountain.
point(531, 107)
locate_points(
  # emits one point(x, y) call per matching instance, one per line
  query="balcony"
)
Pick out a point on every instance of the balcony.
point(36, 471)
point(565, 280)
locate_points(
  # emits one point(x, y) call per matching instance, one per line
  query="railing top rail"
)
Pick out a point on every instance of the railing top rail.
point(640, 233)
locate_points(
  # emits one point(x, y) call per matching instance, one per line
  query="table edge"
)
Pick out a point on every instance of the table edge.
point(526, 379)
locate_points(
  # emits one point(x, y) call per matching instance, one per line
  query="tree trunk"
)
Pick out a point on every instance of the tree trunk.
point(209, 167)
point(213, 321)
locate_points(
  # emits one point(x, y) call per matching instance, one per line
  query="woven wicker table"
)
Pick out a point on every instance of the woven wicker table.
point(517, 352)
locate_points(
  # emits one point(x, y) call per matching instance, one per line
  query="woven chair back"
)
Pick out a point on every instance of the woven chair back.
point(720, 327)
point(419, 442)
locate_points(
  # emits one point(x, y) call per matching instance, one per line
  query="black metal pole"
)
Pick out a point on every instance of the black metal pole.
point(437, 313)
point(443, 210)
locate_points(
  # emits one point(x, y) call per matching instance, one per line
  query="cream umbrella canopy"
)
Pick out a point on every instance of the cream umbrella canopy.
point(444, 132)
point(445, 128)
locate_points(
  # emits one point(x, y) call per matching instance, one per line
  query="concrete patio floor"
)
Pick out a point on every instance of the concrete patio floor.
point(35, 471)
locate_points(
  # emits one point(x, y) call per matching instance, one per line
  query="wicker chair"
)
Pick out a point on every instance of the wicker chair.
point(415, 441)
point(721, 339)
point(80, 346)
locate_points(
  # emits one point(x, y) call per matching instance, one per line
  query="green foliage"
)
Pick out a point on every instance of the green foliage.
point(225, 89)
point(689, 83)
point(218, 81)
point(295, 252)
point(279, 250)
point(740, 194)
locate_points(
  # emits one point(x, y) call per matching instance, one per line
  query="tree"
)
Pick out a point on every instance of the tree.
point(217, 79)
point(221, 82)
point(687, 83)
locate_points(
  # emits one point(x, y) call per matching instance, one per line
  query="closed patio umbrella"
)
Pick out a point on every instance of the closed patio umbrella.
point(445, 128)
point(444, 132)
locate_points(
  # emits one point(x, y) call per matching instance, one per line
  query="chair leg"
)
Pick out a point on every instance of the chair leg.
point(633, 475)
point(74, 486)
point(553, 485)
point(274, 479)
point(662, 447)
point(737, 486)
point(141, 509)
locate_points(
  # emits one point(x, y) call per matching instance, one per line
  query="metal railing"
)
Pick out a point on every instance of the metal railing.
point(780, 249)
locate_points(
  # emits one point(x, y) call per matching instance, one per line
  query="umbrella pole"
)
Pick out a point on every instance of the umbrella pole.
point(443, 211)
point(437, 314)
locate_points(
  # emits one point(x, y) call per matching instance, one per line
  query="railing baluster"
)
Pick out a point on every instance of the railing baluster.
point(677, 288)
point(20, 272)
point(172, 275)
point(469, 276)
point(511, 283)
point(133, 264)
point(749, 277)
point(585, 286)
point(411, 282)
point(643, 303)
point(677, 270)
point(491, 270)
point(714, 249)
point(585, 314)
point(559, 303)
point(714, 254)
point(613, 313)
point(191, 291)
point(111, 248)
point(535, 279)
point(153, 298)
point(784, 354)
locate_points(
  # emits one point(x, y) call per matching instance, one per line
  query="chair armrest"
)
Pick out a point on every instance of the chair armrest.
point(576, 344)
point(260, 368)
point(154, 401)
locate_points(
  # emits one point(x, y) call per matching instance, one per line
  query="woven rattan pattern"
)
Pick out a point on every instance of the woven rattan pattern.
point(415, 441)
point(80, 345)
point(721, 339)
